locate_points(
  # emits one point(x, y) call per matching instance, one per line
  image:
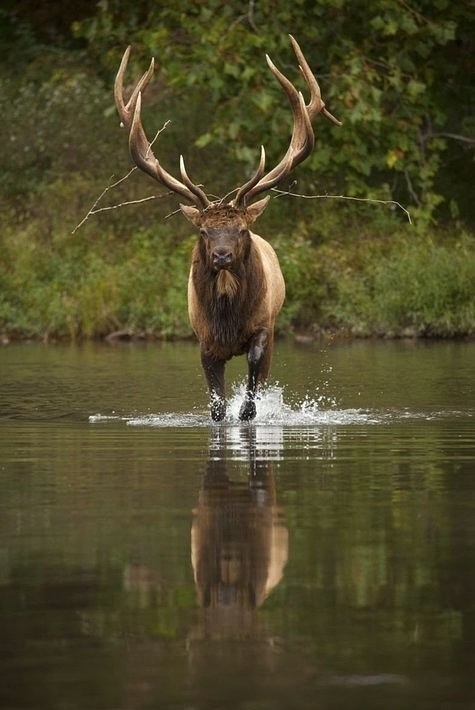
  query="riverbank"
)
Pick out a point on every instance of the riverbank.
point(349, 277)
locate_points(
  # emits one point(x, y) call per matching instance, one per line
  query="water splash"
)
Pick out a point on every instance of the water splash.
point(272, 410)
point(307, 428)
point(275, 408)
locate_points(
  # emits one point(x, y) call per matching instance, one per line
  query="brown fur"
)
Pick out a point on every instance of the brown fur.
point(227, 284)
point(239, 543)
point(225, 303)
point(221, 215)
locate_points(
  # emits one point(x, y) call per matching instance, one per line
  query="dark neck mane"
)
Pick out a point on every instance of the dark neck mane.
point(228, 299)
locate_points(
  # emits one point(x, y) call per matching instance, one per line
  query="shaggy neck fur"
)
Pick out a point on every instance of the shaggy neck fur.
point(227, 284)
point(227, 298)
point(226, 308)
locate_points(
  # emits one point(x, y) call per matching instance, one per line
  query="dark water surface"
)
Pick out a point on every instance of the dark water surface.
point(321, 557)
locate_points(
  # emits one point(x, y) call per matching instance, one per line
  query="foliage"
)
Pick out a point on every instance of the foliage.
point(395, 73)
point(397, 80)
point(70, 290)
point(398, 283)
point(42, 147)
point(418, 288)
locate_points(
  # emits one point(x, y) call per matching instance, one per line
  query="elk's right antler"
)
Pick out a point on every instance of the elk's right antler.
point(139, 146)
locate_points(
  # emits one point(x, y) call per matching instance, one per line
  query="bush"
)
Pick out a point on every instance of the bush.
point(69, 290)
point(419, 287)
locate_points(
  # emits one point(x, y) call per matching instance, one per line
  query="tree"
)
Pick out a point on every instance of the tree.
point(395, 72)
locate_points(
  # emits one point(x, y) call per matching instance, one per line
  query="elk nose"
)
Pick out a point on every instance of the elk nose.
point(222, 257)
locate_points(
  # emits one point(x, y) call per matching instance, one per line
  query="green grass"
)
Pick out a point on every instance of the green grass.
point(382, 279)
point(70, 289)
point(353, 267)
point(417, 286)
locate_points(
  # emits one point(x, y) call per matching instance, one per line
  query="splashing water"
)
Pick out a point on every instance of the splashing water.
point(272, 410)
point(305, 428)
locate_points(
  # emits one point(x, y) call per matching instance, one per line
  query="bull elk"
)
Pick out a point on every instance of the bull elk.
point(236, 287)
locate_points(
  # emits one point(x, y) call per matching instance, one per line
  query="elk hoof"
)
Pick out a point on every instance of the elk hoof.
point(248, 410)
point(218, 410)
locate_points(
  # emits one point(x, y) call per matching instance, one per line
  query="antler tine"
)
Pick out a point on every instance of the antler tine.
point(303, 140)
point(302, 132)
point(253, 180)
point(195, 189)
point(126, 111)
point(139, 146)
point(300, 147)
point(316, 104)
point(143, 156)
point(119, 86)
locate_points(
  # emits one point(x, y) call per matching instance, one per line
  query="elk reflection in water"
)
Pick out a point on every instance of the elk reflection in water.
point(239, 544)
point(239, 549)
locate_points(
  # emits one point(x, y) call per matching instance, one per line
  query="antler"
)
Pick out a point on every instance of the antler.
point(139, 146)
point(301, 144)
point(303, 139)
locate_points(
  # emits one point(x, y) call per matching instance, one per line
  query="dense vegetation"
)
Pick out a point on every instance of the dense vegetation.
point(397, 73)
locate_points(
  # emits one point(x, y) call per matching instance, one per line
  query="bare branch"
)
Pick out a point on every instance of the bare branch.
point(283, 193)
point(452, 136)
point(250, 16)
point(112, 185)
point(129, 202)
point(410, 188)
point(172, 214)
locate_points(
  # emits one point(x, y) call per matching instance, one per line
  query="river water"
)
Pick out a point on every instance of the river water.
point(320, 557)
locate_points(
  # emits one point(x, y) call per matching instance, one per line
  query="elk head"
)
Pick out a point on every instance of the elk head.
point(205, 214)
point(225, 239)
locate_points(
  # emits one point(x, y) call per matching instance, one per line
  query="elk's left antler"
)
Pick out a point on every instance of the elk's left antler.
point(303, 139)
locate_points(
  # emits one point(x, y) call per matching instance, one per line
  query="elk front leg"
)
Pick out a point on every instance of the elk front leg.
point(258, 359)
point(214, 373)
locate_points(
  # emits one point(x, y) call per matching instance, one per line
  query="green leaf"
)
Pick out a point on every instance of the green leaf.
point(203, 140)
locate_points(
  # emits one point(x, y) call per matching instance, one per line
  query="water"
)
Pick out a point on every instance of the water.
point(322, 556)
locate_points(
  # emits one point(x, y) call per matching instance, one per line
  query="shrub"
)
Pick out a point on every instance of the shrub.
point(420, 287)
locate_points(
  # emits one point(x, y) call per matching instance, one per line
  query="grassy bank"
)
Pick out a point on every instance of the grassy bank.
point(352, 267)
point(363, 276)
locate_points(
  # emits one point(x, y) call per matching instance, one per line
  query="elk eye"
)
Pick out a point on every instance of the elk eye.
point(244, 233)
point(203, 233)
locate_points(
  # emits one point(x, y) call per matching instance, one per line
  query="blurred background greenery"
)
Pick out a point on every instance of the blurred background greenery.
point(399, 76)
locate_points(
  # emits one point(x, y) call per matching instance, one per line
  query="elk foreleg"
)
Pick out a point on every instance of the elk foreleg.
point(213, 369)
point(258, 359)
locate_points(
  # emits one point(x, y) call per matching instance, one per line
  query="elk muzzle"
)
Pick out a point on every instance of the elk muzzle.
point(222, 257)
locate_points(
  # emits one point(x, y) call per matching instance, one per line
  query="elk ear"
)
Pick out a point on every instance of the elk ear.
point(192, 214)
point(254, 211)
